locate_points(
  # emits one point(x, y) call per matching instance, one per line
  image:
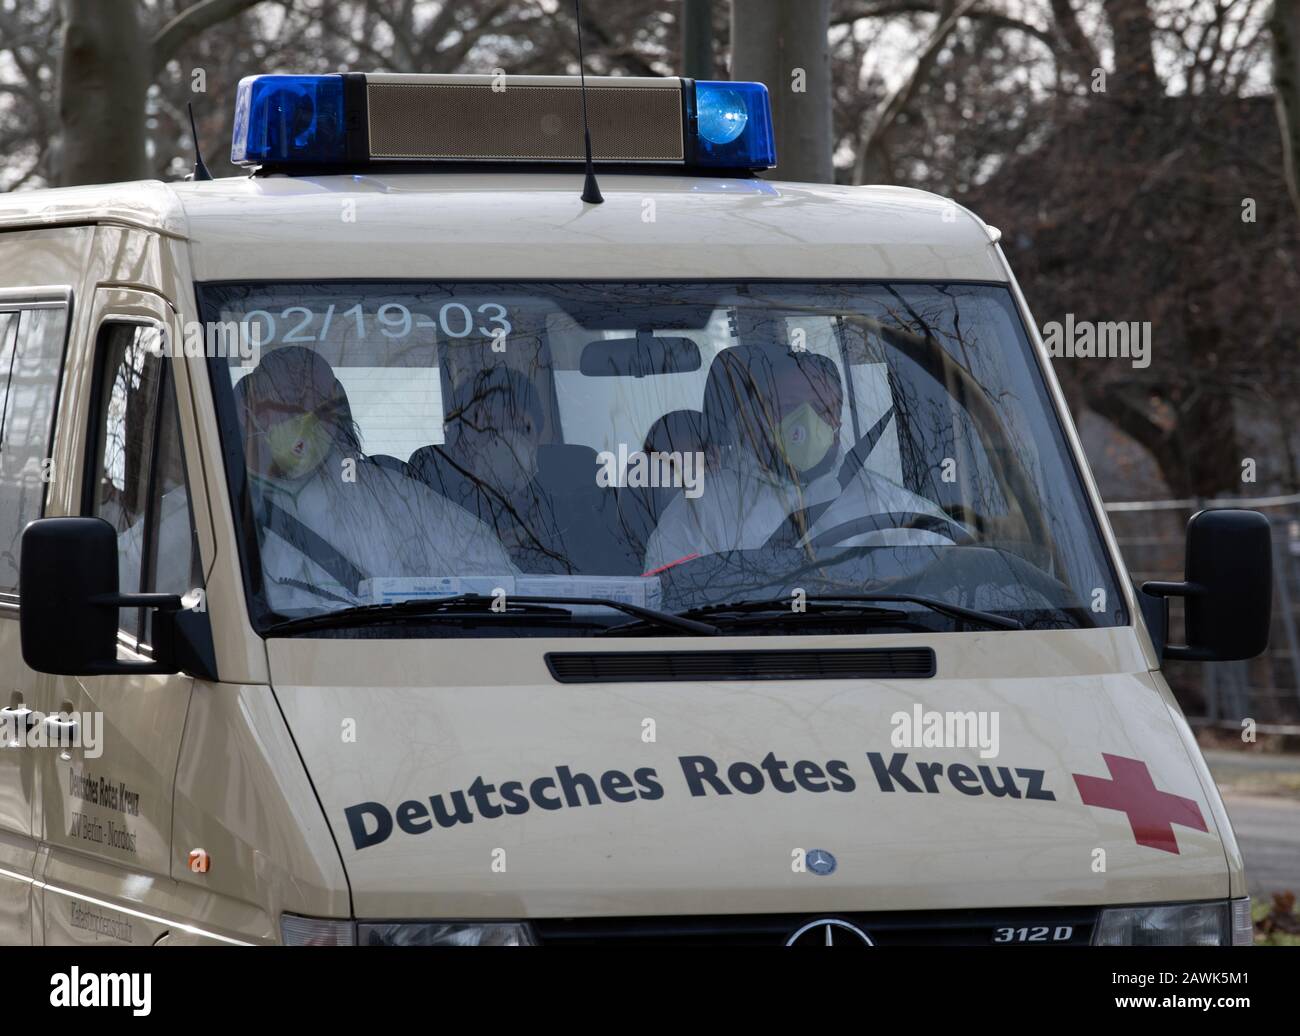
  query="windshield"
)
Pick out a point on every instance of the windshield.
point(671, 446)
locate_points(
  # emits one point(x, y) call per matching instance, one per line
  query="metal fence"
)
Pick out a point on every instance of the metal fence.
point(1152, 538)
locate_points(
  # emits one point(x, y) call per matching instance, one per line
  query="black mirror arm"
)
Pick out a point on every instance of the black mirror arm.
point(162, 602)
point(184, 639)
point(1156, 588)
point(1159, 589)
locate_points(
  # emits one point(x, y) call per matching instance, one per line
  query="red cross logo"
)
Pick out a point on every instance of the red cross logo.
point(1151, 812)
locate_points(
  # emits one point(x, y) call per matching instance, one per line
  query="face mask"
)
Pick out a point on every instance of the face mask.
point(298, 445)
point(804, 437)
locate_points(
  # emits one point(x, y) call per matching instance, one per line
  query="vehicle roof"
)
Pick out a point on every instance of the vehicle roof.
point(533, 225)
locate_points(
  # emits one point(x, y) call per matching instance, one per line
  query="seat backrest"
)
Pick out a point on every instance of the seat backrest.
point(564, 468)
point(582, 516)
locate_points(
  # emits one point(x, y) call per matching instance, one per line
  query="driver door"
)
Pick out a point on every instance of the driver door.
point(108, 796)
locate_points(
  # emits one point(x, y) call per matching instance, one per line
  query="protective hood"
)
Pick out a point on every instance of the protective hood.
point(461, 779)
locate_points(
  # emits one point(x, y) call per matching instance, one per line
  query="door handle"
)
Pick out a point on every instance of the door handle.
point(19, 719)
point(60, 729)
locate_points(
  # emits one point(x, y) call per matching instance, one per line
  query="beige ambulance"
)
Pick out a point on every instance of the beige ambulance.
point(407, 544)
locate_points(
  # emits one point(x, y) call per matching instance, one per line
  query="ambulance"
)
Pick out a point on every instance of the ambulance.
point(417, 541)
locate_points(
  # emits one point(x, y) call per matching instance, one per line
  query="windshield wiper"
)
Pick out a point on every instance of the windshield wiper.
point(480, 606)
point(957, 611)
point(734, 614)
point(829, 606)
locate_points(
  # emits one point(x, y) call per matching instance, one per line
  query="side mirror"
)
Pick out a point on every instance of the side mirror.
point(68, 602)
point(1228, 589)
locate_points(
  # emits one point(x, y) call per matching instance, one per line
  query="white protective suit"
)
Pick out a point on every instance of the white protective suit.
point(743, 504)
point(386, 524)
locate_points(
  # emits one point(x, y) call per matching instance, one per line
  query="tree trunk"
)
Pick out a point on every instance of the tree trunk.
point(1135, 65)
point(783, 43)
point(1285, 23)
point(1081, 55)
point(107, 62)
point(104, 76)
point(697, 39)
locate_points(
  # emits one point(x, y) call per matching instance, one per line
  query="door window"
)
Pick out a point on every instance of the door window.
point(138, 484)
point(31, 358)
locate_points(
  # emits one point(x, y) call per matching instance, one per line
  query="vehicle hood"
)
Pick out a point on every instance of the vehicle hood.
point(460, 779)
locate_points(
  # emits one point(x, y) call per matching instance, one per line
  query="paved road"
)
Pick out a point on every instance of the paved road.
point(1268, 831)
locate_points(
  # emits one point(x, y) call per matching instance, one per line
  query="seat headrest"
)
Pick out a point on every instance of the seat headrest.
point(566, 467)
point(492, 398)
point(678, 431)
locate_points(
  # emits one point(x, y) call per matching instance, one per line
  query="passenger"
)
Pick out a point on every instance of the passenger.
point(772, 430)
point(489, 461)
point(328, 525)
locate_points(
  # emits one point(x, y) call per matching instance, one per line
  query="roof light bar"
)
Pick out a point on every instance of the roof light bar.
point(289, 123)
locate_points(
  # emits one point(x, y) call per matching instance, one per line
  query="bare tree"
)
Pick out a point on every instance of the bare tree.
point(107, 62)
point(115, 109)
point(1101, 171)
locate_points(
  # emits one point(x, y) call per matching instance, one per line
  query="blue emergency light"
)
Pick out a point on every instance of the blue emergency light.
point(294, 123)
point(289, 120)
point(732, 125)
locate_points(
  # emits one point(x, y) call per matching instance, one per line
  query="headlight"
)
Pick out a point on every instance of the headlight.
point(1221, 923)
point(316, 931)
point(441, 933)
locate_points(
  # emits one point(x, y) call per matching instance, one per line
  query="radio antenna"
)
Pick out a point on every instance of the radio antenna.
point(590, 189)
point(200, 170)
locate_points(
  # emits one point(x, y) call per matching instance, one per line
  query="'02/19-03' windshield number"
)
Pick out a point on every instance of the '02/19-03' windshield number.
point(394, 320)
point(1061, 933)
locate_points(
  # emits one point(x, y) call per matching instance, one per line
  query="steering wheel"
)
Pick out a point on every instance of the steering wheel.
point(894, 520)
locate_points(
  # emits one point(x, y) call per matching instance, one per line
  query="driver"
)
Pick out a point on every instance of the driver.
point(328, 526)
point(776, 473)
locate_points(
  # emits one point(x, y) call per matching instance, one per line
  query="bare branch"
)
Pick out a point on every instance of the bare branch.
point(896, 102)
point(897, 7)
point(193, 21)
